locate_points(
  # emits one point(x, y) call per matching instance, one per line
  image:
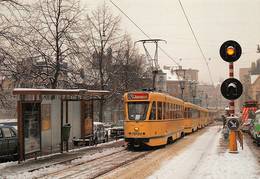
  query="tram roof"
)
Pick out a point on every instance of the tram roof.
point(35, 91)
point(195, 106)
point(157, 94)
point(166, 95)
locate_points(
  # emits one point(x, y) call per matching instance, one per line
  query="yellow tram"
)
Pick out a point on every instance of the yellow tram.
point(191, 120)
point(154, 118)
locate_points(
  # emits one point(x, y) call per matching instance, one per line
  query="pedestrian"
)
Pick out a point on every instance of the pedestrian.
point(224, 121)
point(95, 138)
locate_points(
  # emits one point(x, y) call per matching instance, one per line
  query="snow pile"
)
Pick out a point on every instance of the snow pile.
point(202, 160)
point(7, 164)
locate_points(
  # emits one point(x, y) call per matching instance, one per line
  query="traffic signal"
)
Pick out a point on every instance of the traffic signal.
point(230, 51)
point(231, 89)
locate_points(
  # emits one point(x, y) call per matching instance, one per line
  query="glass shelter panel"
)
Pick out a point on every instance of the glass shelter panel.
point(32, 130)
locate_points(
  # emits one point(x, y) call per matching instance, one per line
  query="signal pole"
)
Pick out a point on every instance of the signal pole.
point(231, 89)
point(232, 102)
point(232, 134)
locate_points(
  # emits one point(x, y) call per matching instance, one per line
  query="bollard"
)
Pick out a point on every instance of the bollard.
point(232, 142)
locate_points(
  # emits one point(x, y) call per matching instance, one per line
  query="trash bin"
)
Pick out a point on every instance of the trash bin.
point(66, 132)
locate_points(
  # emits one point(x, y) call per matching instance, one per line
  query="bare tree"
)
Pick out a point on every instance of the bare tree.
point(101, 36)
point(9, 28)
point(49, 42)
point(129, 67)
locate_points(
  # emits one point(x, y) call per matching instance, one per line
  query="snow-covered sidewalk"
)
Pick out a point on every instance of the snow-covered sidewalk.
point(203, 159)
point(14, 170)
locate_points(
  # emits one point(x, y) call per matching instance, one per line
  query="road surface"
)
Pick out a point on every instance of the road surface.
point(200, 155)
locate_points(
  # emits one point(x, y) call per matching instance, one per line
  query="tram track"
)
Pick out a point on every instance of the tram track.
point(98, 166)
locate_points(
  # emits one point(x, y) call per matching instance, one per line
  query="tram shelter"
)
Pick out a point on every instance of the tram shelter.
point(43, 114)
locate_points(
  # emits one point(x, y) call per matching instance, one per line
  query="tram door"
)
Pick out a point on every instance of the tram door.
point(32, 127)
point(87, 118)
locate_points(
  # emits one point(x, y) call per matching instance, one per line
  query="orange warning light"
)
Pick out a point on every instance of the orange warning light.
point(230, 51)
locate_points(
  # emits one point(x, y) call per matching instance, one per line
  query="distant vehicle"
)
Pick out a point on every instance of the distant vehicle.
point(225, 132)
point(9, 122)
point(255, 128)
point(98, 135)
point(8, 142)
point(117, 131)
point(99, 132)
point(248, 108)
point(246, 125)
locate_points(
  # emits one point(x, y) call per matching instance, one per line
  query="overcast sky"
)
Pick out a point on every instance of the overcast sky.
point(213, 21)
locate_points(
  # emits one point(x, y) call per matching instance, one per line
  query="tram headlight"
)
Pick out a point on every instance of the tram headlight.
point(136, 129)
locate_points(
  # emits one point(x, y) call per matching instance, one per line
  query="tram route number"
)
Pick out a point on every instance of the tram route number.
point(233, 124)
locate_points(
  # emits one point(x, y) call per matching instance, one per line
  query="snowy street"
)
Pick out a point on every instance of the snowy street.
point(203, 154)
point(206, 157)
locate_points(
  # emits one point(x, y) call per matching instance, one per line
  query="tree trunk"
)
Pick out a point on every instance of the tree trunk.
point(101, 83)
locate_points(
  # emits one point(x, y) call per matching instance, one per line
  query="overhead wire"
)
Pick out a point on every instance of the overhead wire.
point(165, 53)
point(197, 42)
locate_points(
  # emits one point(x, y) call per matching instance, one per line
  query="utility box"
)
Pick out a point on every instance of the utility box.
point(66, 132)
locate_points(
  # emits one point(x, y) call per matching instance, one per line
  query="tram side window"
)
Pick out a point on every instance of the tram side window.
point(178, 111)
point(174, 111)
point(186, 113)
point(159, 107)
point(166, 116)
point(195, 113)
point(182, 112)
point(190, 113)
point(153, 112)
point(164, 110)
point(171, 111)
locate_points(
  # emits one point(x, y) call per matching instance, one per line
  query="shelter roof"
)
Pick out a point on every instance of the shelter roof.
point(34, 91)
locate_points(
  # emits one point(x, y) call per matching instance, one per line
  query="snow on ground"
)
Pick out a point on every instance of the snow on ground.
point(203, 160)
point(7, 164)
point(58, 167)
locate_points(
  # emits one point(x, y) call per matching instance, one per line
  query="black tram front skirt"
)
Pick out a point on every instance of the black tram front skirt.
point(136, 142)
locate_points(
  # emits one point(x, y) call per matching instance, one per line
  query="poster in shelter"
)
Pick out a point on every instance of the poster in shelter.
point(46, 116)
point(32, 130)
point(88, 118)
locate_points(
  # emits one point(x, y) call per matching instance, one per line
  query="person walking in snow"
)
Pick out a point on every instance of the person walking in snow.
point(224, 121)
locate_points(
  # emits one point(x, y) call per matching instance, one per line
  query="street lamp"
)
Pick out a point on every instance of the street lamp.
point(182, 86)
point(181, 74)
point(193, 90)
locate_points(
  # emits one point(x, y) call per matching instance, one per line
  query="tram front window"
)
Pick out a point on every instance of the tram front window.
point(137, 110)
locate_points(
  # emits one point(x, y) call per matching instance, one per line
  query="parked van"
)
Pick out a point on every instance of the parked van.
point(255, 127)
